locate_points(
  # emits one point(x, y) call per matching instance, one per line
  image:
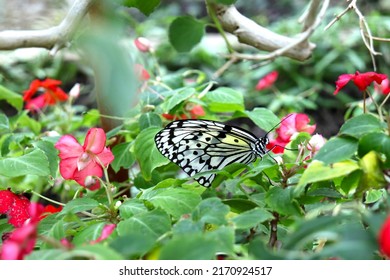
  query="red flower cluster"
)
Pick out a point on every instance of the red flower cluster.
point(25, 216)
point(291, 125)
point(80, 163)
point(267, 81)
point(193, 111)
point(51, 94)
point(384, 238)
point(15, 207)
point(361, 80)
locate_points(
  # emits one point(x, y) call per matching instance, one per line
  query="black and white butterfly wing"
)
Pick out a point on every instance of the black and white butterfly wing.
point(201, 145)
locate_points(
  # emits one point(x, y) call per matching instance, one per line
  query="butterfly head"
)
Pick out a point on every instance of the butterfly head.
point(260, 146)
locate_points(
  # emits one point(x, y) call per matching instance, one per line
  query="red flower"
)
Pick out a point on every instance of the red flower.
point(383, 87)
point(22, 240)
point(143, 44)
point(50, 209)
point(51, 94)
point(361, 80)
point(291, 125)
point(193, 111)
point(80, 163)
point(384, 238)
point(106, 232)
point(15, 207)
point(141, 72)
point(267, 81)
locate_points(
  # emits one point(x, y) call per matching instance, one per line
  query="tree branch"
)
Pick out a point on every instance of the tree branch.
point(51, 38)
point(253, 34)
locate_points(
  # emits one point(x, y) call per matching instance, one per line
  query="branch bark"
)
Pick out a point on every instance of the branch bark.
point(54, 37)
point(249, 32)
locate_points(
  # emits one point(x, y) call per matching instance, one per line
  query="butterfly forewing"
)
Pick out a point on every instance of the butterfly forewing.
point(201, 145)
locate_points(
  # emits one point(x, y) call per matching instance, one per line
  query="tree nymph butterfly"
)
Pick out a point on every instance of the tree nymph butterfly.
point(202, 145)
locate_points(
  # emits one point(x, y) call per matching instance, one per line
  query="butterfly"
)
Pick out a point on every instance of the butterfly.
point(203, 145)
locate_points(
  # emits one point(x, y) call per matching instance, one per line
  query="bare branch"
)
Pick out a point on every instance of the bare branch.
point(55, 37)
point(253, 34)
point(365, 31)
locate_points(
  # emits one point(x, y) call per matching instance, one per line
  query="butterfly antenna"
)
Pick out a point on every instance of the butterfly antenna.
point(286, 117)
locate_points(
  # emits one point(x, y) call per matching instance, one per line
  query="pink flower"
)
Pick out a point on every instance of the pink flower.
point(80, 163)
point(383, 87)
point(15, 207)
point(361, 80)
point(143, 44)
point(384, 238)
point(51, 94)
point(22, 240)
point(106, 232)
point(315, 143)
point(267, 81)
point(291, 125)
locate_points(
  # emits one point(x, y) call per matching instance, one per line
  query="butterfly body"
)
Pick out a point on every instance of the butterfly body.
point(203, 145)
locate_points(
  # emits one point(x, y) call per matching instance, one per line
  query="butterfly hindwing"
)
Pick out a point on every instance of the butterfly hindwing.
point(201, 145)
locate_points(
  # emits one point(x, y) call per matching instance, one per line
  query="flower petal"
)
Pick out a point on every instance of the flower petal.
point(301, 124)
point(68, 167)
point(106, 232)
point(342, 81)
point(105, 157)
point(68, 147)
point(7, 199)
point(36, 103)
point(92, 169)
point(95, 140)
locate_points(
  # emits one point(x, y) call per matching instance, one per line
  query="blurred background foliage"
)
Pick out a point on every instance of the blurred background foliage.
point(301, 86)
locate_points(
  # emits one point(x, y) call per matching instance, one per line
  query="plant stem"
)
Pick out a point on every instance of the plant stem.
point(48, 199)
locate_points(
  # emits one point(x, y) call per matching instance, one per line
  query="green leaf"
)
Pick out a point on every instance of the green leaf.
point(149, 119)
point(175, 201)
point(90, 233)
point(177, 97)
point(372, 177)
point(185, 32)
point(146, 152)
point(90, 252)
point(282, 201)
point(337, 149)
point(24, 120)
point(78, 205)
point(375, 141)
point(33, 163)
point(308, 229)
point(51, 153)
point(263, 118)
point(361, 125)
point(123, 157)
point(12, 98)
point(239, 205)
point(4, 124)
point(224, 239)
point(373, 196)
point(317, 171)
point(132, 207)
point(146, 7)
point(225, 99)
point(211, 211)
point(151, 224)
point(251, 218)
point(189, 247)
point(134, 245)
